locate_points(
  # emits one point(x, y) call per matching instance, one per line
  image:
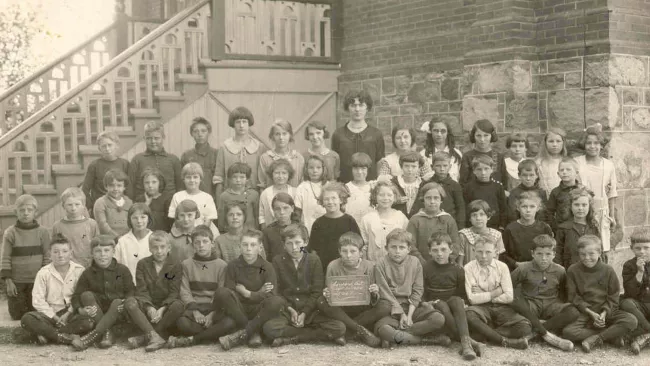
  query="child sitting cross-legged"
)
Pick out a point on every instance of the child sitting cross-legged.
point(444, 288)
point(203, 274)
point(300, 283)
point(158, 280)
point(593, 287)
point(489, 290)
point(357, 319)
point(250, 294)
point(54, 319)
point(542, 285)
point(400, 280)
point(100, 293)
point(636, 283)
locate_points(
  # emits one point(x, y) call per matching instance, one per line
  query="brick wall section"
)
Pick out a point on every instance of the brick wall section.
point(630, 27)
point(563, 26)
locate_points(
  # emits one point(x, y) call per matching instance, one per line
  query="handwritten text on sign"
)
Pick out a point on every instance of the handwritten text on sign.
point(349, 290)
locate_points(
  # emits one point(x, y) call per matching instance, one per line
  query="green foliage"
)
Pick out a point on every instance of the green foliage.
point(20, 22)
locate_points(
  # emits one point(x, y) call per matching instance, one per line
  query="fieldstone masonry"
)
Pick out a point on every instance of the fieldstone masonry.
point(563, 84)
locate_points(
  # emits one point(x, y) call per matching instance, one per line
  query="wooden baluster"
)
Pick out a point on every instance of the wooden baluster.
point(47, 159)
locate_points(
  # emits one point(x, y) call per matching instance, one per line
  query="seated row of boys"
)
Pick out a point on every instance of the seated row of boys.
point(204, 298)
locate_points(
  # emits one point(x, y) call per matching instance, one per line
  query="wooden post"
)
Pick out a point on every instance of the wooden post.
point(218, 30)
point(336, 22)
point(121, 34)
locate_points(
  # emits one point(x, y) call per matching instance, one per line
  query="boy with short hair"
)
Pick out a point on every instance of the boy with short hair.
point(488, 190)
point(202, 153)
point(400, 280)
point(100, 293)
point(158, 281)
point(408, 182)
point(489, 290)
point(239, 190)
point(108, 143)
point(453, 202)
point(542, 284)
point(25, 249)
point(111, 210)
point(249, 296)
point(636, 284)
point(203, 274)
point(593, 287)
point(155, 156)
point(517, 143)
point(558, 205)
point(54, 319)
point(75, 226)
point(357, 319)
point(444, 288)
point(300, 283)
point(528, 182)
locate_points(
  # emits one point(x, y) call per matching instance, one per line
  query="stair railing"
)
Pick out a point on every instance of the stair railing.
point(53, 134)
point(52, 80)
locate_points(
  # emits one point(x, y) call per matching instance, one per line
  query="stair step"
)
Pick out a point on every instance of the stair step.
point(121, 130)
point(89, 150)
point(144, 112)
point(39, 189)
point(192, 78)
point(67, 169)
point(169, 95)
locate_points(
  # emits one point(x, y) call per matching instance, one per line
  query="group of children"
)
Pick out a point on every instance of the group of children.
point(246, 251)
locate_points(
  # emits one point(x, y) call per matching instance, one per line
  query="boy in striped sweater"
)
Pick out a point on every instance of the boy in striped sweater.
point(25, 249)
point(203, 319)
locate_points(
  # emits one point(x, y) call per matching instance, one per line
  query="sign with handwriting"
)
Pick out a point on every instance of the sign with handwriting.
point(349, 290)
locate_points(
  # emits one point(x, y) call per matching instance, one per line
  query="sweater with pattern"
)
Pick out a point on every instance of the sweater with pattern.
point(202, 276)
point(25, 249)
point(79, 233)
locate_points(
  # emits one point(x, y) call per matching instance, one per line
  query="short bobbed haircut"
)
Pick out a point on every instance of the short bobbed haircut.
point(240, 113)
point(363, 97)
point(485, 126)
point(351, 239)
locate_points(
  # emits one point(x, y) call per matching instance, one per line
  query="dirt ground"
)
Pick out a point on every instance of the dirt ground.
point(312, 355)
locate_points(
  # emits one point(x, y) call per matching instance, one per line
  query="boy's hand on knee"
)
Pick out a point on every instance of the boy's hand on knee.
point(268, 287)
point(198, 317)
point(12, 291)
point(327, 294)
point(159, 315)
point(90, 311)
point(120, 307)
point(209, 320)
point(151, 313)
point(403, 322)
point(294, 315)
point(374, 289)
point(300, 322)
point(63, 320)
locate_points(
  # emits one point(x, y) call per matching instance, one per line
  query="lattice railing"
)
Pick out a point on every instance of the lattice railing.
point(105, 99)
point(271, 29)
point(51, 81)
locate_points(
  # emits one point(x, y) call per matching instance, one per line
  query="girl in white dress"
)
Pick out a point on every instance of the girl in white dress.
point(307, 193)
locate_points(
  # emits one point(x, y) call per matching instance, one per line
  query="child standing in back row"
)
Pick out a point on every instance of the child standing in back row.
point(155, 156)
point(316, 133)
point(202, 153)
point(25, 249)
point(108, 143)
point(75, 226)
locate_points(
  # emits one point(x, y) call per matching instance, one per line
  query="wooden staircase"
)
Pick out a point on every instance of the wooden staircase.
point(153, 79)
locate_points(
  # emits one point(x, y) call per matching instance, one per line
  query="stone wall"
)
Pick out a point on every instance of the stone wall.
point(525, 65)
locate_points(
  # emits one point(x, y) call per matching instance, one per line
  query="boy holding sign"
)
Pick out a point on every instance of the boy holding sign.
point(357, 319)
